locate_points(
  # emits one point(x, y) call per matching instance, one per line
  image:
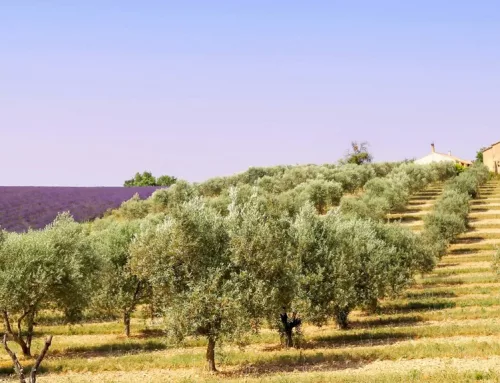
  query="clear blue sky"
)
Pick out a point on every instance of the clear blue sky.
point(93, 91)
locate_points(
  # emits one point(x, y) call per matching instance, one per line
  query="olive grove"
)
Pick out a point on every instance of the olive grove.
point(271, 247)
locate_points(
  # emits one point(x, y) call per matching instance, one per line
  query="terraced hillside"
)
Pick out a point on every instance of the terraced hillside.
point(420, 204)
point(443, 329)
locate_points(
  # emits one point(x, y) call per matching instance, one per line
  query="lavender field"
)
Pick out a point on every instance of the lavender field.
point(23, 207)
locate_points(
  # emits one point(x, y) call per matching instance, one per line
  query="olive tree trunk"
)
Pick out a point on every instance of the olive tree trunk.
point(287, 326)
point(211, 355)
point(341, 317)
point(127, 311)
point(18, 336)
point(19, 368)
point(126, 322)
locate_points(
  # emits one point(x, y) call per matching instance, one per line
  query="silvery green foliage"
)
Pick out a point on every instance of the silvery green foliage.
point(347, 262)
point(442, 171)
point(444, 225)
point(175, 195)
point(392, 193)
point(119, 289)
point(395, 190)
point(470, 180)
point(54, 264)
point(49, 268)
point(263, 253)
point(214, 186)
point(323, 194)
point(375, 208)
point(217, 276)
point(186, 259)
point(405, 255)
point(280, 179)
point(135, 208)
point(288, 186)
point(449, 216)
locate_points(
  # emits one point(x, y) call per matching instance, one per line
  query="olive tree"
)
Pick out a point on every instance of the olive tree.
point(217, 276)
point(49, 268)
point(119, 290)
point(342, 265)
point(263, 250)
point(358, 154)
point(449, 217)
point(348, 262)
point(186, 261)
point(168, 199)
point(322, 194)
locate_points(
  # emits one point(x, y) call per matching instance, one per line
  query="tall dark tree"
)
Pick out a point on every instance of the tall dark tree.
point(479, 155)
point(147, 179)
point(358, 154)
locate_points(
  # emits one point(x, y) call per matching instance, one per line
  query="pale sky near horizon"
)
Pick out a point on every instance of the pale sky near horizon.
point(93, 91)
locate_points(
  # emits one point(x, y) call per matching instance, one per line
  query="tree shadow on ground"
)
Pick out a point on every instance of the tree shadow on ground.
point(417, 203)
point(468, 240)
point(479, 209)
point(387, 322)
point(356, 339)
point(438, 282)
point(444, 265)
point(424, 198)
point(430, 294)
point(315, 361)
point(299, 362)
point(411, 210)
point(150, 333)
point(107, 349)
point(427, 193)
point(464, 251)
point(393, 308)
point(405, 219)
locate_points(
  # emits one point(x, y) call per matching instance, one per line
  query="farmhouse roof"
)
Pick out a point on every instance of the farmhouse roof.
point(438, 157)
point(456, 158)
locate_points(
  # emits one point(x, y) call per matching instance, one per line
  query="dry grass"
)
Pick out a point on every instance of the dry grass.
point(444, 328)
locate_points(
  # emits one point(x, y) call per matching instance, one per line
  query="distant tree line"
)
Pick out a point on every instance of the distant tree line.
point(147, 179)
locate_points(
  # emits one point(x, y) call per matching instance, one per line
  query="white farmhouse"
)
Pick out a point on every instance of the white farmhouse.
point(441, 157)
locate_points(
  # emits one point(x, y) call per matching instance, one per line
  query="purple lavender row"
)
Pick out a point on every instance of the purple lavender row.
point(33, 207)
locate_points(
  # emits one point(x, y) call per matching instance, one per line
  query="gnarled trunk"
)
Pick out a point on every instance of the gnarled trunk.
point(19, 368)
point(126, 322)
point(127, 311)
point(341, 315)
point(211, 355)
point(288, 324)
point(18, 337)
point(289, 338)
point(372, 307)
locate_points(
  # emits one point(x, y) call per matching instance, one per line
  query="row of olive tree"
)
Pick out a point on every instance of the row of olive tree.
point(392, 193)
point(449, 217)
point(217, 274)
point(222, 277)
point(279, 179)
point(285, 188)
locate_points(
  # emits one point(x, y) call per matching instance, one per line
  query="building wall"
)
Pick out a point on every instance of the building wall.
point(491, 158)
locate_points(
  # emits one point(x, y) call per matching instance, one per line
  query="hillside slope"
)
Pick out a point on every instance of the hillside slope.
point(443, 329)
